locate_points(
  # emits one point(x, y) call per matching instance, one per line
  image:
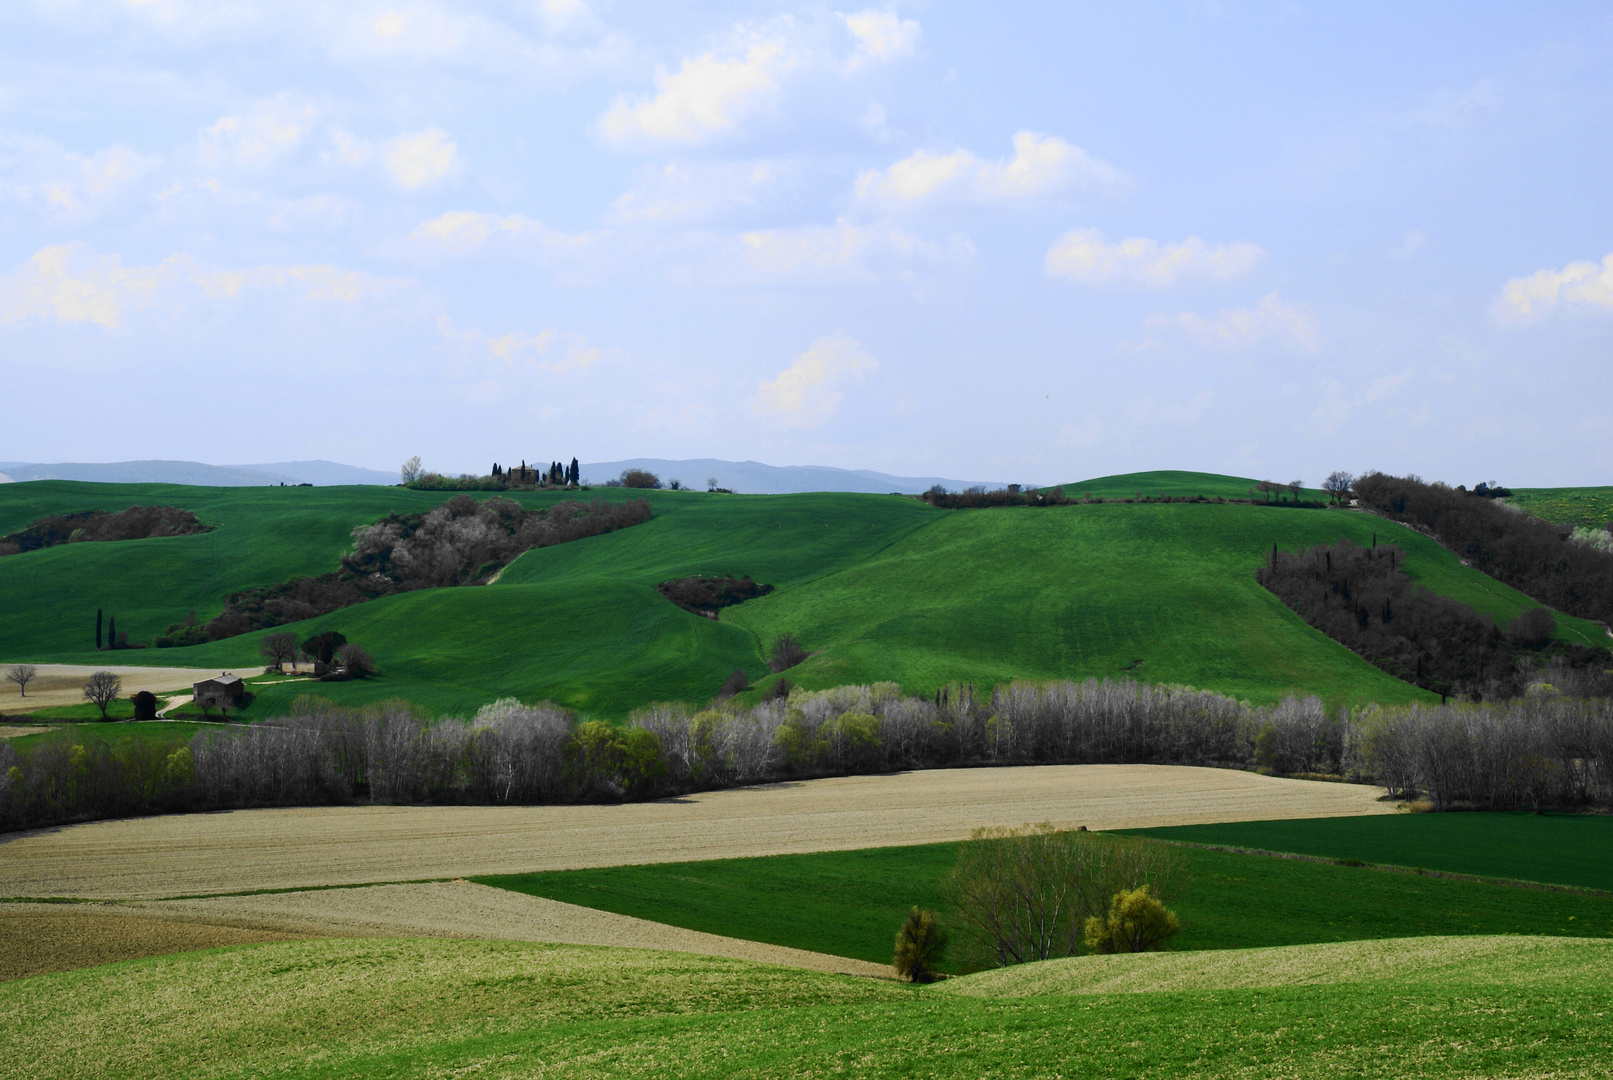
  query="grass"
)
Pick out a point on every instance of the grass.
point(879, 587)
point(850, 903)
point(1177, 484)
point(1558, 849)
point(85, 732)
point(363, 1008)
point(1567, 506)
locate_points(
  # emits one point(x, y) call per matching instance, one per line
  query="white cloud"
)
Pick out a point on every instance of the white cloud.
point(1083, 255)
point(255, 138)
point(1583, 285)
point(880, 36)
point(1291, 325)
point(98, 175)
point(840, 248)
point(71, 284)
point(1409, 246)
point(709, 94)
point(677, 192)
point(350, 149)
point(420, 158)
point(806, 393)
point(1041, 163)
point(549, 351)
point(462, 231)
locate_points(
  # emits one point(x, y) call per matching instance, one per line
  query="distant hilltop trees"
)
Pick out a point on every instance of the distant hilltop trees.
point(521, 477)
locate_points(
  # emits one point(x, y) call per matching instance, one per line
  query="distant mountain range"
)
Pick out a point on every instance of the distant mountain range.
point(754, 478)
point(750, 477)
point(197, 473)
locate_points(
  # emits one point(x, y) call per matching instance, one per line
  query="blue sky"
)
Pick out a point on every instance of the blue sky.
point(1034, 242)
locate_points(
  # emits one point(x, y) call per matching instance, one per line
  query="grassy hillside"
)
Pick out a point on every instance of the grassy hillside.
point(878, 587)
point(850, 903)
point(402, 1008)
point(1557, 849)
point(1176, 484)
point(1567, 506)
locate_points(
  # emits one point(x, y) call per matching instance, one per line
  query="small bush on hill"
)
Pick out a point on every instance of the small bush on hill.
point(639, 478)
point(135, 523)
point(1136, 922)
point(704, 594)
point(921, 941)
point(786, 652)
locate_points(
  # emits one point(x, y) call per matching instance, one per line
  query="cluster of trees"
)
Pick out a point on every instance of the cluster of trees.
point(1544, 749)
point(101, 688)
point(341, 659)
point(1535, 557)
point(1363, 598)
point(977, 498)
point(135, 523)
point(115, 638)
point(499, 478)
point(704, 594)
point(462, 542)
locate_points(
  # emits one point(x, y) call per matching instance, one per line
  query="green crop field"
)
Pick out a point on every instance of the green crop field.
point(407, 1008)
point(1567, 506)
point(1558, 849)
point(161, 732)
point(1176, 484)
point(850, 903)
point(878, 587)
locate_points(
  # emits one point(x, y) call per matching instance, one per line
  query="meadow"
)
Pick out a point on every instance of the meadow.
point(1591, 506)
point(876, 587)
point(406, 1008)
point(849, 903)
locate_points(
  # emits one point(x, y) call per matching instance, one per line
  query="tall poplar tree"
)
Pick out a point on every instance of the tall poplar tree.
point(97, 629)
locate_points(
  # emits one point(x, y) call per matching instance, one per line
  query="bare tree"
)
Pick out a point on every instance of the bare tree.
point(711, 483)
point(1338, 484)
point(412, 470)
point(22, 675)
point(279, 649)
point(102, 688)
point(355, 660)
point(1296, 486)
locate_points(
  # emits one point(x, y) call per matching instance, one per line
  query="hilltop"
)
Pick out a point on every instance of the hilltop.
point(875, 587)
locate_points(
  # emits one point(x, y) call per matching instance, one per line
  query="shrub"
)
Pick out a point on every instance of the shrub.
point(1533, 627)
point(1136, 922)
point(786, 652)
point(640, 478)
point(705, 594)
point(355, 660)
point(145, 705)
point(920, 943)
point(737, 683)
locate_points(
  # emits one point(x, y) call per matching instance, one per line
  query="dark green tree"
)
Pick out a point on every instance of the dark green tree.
point(576, 473)
point(112, 632)
point(919, 945)
point(97, 629)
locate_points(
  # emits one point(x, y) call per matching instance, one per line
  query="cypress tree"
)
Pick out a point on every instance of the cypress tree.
point(97, 629)
point(112, 632)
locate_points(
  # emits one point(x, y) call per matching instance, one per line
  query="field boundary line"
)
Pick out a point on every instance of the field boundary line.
point(1392, 868)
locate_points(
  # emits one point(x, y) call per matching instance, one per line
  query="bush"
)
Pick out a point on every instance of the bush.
point(1026, 894)
point(920, 943)
point(640, 478)
point(1136, 922)
point(786, 652)
point(704, 595)
point(1534, 627)
point(737, 683)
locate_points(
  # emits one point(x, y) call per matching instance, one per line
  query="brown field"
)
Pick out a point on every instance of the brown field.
point(197, 854)
point(12, 731)
point(36, 939)
point(63, 684)
point(464, 909)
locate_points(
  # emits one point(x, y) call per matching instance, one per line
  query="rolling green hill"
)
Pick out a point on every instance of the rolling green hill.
point(1591, 506)
point(879, 587)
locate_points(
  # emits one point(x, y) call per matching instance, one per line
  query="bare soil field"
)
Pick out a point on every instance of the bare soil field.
point(36, 939)
point(464, 909)
point(244, 850)
point(63, 684)
point(12, 731)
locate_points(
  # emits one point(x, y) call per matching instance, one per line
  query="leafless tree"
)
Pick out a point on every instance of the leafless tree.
point(412, 470)
point(22, 675)
point(1296, 486)
point(279, 649)
point(102, 688)
point(1338, 484)
point(711, 483)
point(357, 662)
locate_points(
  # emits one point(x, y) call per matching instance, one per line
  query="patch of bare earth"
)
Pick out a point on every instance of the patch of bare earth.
point(13, 731)
point(36, 939)
point(153, 858)
point(464, 909)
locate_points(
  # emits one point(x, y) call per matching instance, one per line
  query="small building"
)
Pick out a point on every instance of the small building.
point(221, 692)
point(523, 475)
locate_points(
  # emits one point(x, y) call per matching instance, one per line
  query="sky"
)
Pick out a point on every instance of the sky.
point(1030, 242)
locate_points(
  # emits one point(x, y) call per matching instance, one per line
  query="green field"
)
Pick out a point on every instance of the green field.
point(436, 1008)
point(1176, 484)
point(850, 903)
point(878, 587)
point(1557, 849)
point(85, 732)
point(1567, 506)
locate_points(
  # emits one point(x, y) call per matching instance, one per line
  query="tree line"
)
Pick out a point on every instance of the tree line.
point(1363, 598)
point(1543, 749)
point(87, 526)
point(1534, 556)
point(464, 541)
